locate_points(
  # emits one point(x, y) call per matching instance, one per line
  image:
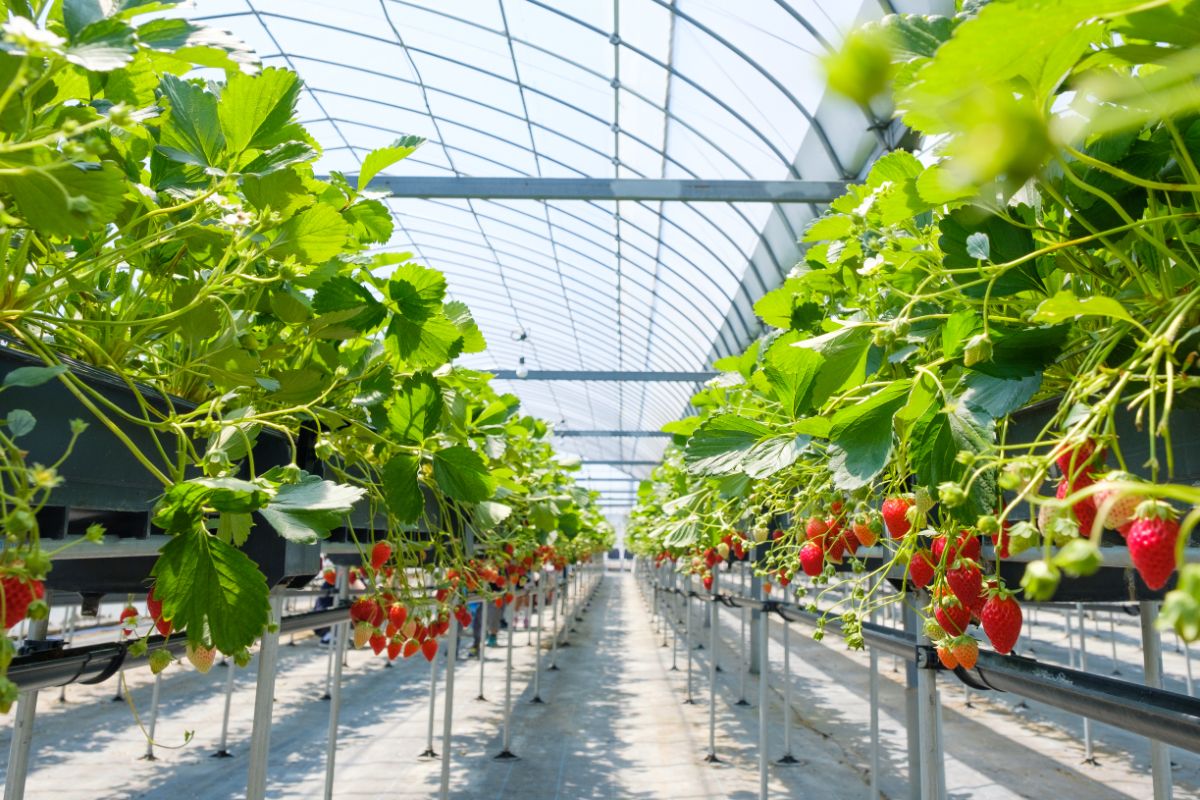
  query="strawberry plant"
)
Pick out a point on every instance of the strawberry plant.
point(999, 328)
point(171, 231)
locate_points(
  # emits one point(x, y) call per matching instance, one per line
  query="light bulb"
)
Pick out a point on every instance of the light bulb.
point(522, 370)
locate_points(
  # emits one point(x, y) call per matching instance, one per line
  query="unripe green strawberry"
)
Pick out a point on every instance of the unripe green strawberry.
point(159, 660)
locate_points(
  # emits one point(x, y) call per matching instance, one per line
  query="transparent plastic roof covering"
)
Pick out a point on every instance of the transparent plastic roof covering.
point(702, 89)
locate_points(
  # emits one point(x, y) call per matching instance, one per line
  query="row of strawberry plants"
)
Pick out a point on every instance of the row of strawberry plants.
point(992, 338)
point(170, 231)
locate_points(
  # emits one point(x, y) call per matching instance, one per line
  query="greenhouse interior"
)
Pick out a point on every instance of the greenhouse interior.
point(554, 399)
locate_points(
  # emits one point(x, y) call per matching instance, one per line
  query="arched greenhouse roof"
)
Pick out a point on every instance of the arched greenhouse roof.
point(618, 307)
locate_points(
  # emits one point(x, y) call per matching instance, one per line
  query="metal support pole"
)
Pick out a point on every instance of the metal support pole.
point(149, 754)
point(22, 735)
point(483, 637)
point(687, 635)
point(712, 674)
point(70, 635)
point(335, 707)
point(223, 750)
point(429, 752)
point(928, 711)
point(873, 692)
point(912, 710)
point(1088, 756)
point(506, 753)
point(675, 628)
point(764, 675)
point(1187, 659)
point(1160, 754)
point(448, 714)
point(333, 654)
point(537, 656)
point(1112, 630)
point(264, 701)
point(743, 667)
point(120, 695)
point(554, 624)
point(787, 757)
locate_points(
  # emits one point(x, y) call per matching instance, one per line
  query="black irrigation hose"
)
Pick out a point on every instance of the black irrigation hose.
point(1166, 716)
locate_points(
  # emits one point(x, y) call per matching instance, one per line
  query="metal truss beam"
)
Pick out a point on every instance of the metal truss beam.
point(646, 189)
point(606, 375)
point(614, 434)
point(620, 462)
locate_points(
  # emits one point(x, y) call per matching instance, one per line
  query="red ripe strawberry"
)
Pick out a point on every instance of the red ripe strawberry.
point(363, 609)
point(866, 531)
point(1085, 509)
point(1122, 505)
point(411, 646)
point(1000, 541)
point(767, 588)
point(390, 631)
point(953, 616)
point(849, 541)
point(330, 576)
point(707, 580)
point(739, 550)
point(946, 656)
point(815, 529)
point(920, 569)
point(397, 614)
point(1151, 542)
point(395, 646)
point(380, 554)
point(362, 633)
point(965, 544)
point(1001, 618)
point(128, 613)
point(378, 641)
point(895, 516)
point(965, 650)
point(784, 580)
point(1080, 460)
point(429, 649)
point(441, 594)
point(812, 559)
point(966, 581)
point(836, 507)
point(463, 616)
point(201, 657)
point(154, 607)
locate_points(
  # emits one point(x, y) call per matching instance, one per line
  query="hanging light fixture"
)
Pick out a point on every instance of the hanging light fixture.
point(522, 370)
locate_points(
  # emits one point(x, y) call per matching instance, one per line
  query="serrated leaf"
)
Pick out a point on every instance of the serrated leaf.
point(103, 46)
point(198, 44)
point(278, 158)
point(416, 409)
point(1065, 305)
point(790, 372)
point(309, 509)
point(211, 589)
point(192, 133)
point(254, 110)
point(1021, 352)
point(489, 514)
point(371, 221)
point(979, 246)
point(234, 528)
point(430, 343)
point(66, 199)
point(20, 422)
point(417, 291)
point(462, 475)
point(1006, 242)
point(312, 236)
point(27, 377)
point(401, 489)
point(346, 294)
point(720, 444)
point(998, 397)
point(459, 314)
point(775, 453)
point(844, 354)
point(937, 439)
point(861, 436)
point(381, 159)
point(570, 524)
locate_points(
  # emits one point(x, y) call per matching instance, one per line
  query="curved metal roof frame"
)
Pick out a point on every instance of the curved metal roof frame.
point(695, 89)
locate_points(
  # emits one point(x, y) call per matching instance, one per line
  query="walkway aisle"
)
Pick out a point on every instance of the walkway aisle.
point(612, 725)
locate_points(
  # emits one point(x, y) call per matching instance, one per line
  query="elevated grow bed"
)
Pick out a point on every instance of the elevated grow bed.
point(104, 483)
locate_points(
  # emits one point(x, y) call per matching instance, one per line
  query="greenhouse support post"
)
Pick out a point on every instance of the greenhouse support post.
point(928, 730)
point(764, 675)
point(335, 707)
point(448, 714)
point(712, 673)
point(554, 623)
point(1088, 757)
point(1160, 754)
point(687, 634)
point(70, 635)
point(873, 694)
point(223, 750)
point(537, 656)
point(483, 636)
point(429, 752)
point(674, 623)
point(505, 752)
point(154, 695)
point(264, 701)
point(743, 667)
point(787, 757)
point(22, 734)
